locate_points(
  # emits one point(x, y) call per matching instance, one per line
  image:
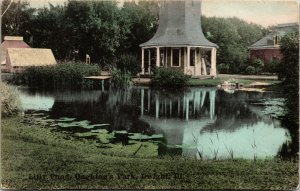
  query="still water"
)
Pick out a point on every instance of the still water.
point(195, 123)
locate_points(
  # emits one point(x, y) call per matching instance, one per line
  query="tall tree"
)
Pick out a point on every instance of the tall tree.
point(142, 20)
point(289, 71)
point(233, 36)
point(17, 18)
point(48, 30)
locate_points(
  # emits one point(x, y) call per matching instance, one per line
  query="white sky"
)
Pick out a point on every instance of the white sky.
point(263, 12)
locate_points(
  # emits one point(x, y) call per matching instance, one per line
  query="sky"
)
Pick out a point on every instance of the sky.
point(262, 12)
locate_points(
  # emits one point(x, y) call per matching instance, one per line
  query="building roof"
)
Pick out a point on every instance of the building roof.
point(179, 25)
point(280, 30)
point(22, 57)
point(11, 42)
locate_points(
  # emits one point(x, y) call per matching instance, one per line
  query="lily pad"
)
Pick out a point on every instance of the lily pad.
point(138, 136)
point(65, 119)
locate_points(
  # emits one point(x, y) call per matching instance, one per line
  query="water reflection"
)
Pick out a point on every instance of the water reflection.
point(196, 122)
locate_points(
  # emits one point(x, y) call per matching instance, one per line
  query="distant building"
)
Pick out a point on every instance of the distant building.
point(179, 41)
point(17, 59)
point(11, 42)
point(268, 48)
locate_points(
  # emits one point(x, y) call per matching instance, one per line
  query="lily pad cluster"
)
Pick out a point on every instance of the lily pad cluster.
point(84, 129)
point(274, 107)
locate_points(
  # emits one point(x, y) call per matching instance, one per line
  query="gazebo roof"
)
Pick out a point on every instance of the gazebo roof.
point(179, 25)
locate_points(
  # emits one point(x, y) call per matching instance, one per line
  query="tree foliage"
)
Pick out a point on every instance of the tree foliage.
point(17, 19)
point(233, 36)
point(289, 71)
point(105, 30)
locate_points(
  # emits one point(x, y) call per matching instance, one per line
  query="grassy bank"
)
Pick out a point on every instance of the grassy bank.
point(217, 81)
point(34, 157)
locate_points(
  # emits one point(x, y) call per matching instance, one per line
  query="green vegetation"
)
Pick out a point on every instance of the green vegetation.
point(216, 81)
point(9, 99)
point(169, 78)
point(128, 63)
point(98, 28)
point(233, 40)
point(62, 75)
point(205, 82)
point(29, 151)
point(250, 70)
point(10, 102)
point(104, 31)
point(120, 78)
point(289, 69)
point(288, 73)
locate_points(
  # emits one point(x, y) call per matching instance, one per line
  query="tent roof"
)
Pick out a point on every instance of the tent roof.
point(179, 25)
point(30, 57)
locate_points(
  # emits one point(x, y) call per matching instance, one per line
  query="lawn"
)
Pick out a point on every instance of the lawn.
point(40, 158)
point(217, 81)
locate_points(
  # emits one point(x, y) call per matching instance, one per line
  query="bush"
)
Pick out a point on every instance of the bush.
point(169, 77)
point(272, 67)
point(10, 102)
point(63, 75)
point(258, 63)
point(119, 78)
point(250, 70)
point(223, 68)
point(128, 63)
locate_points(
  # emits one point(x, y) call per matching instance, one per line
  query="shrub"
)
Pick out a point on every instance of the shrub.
point(10, 102)
point(223, 68)
point(258, 63)
point(250, 70)
point(169, 77)
point(119, 78)
point(63, 75)
point(128, 63)
point(272, 67)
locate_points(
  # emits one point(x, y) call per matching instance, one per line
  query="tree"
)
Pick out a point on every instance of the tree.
point(48, 30)
point(142, 20)
point(289, 71)
point(17, 19)
point(233, 39)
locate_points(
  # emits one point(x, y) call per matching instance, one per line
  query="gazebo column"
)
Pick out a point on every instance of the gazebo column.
point(157, 57)
point(199, 62)
point(142, 101)
point(213, 69)
point(188, 60)
point(156, 107)
point(149, 61)
point(143, 60)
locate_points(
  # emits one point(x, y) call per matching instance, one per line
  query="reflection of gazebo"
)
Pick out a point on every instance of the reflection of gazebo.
point(179, 41)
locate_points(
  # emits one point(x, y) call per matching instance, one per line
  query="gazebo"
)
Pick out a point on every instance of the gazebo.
point(179, 41)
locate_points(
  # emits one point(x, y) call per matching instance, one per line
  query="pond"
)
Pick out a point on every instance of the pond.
point(202, 123)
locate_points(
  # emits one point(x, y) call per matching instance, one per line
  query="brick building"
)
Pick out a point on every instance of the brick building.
point(268, 48)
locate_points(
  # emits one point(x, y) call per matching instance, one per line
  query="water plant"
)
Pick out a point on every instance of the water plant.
point(119, 78)
point(230, 151)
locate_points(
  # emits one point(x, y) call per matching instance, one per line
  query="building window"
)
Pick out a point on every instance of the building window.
point(192, 57)
point(176, 57)
point(276, 40)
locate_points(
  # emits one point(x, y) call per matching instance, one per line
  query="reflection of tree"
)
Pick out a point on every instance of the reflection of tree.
point(118, 108)
point(233, 111)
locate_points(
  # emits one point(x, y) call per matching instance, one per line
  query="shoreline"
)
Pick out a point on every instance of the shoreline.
point(31, 151)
